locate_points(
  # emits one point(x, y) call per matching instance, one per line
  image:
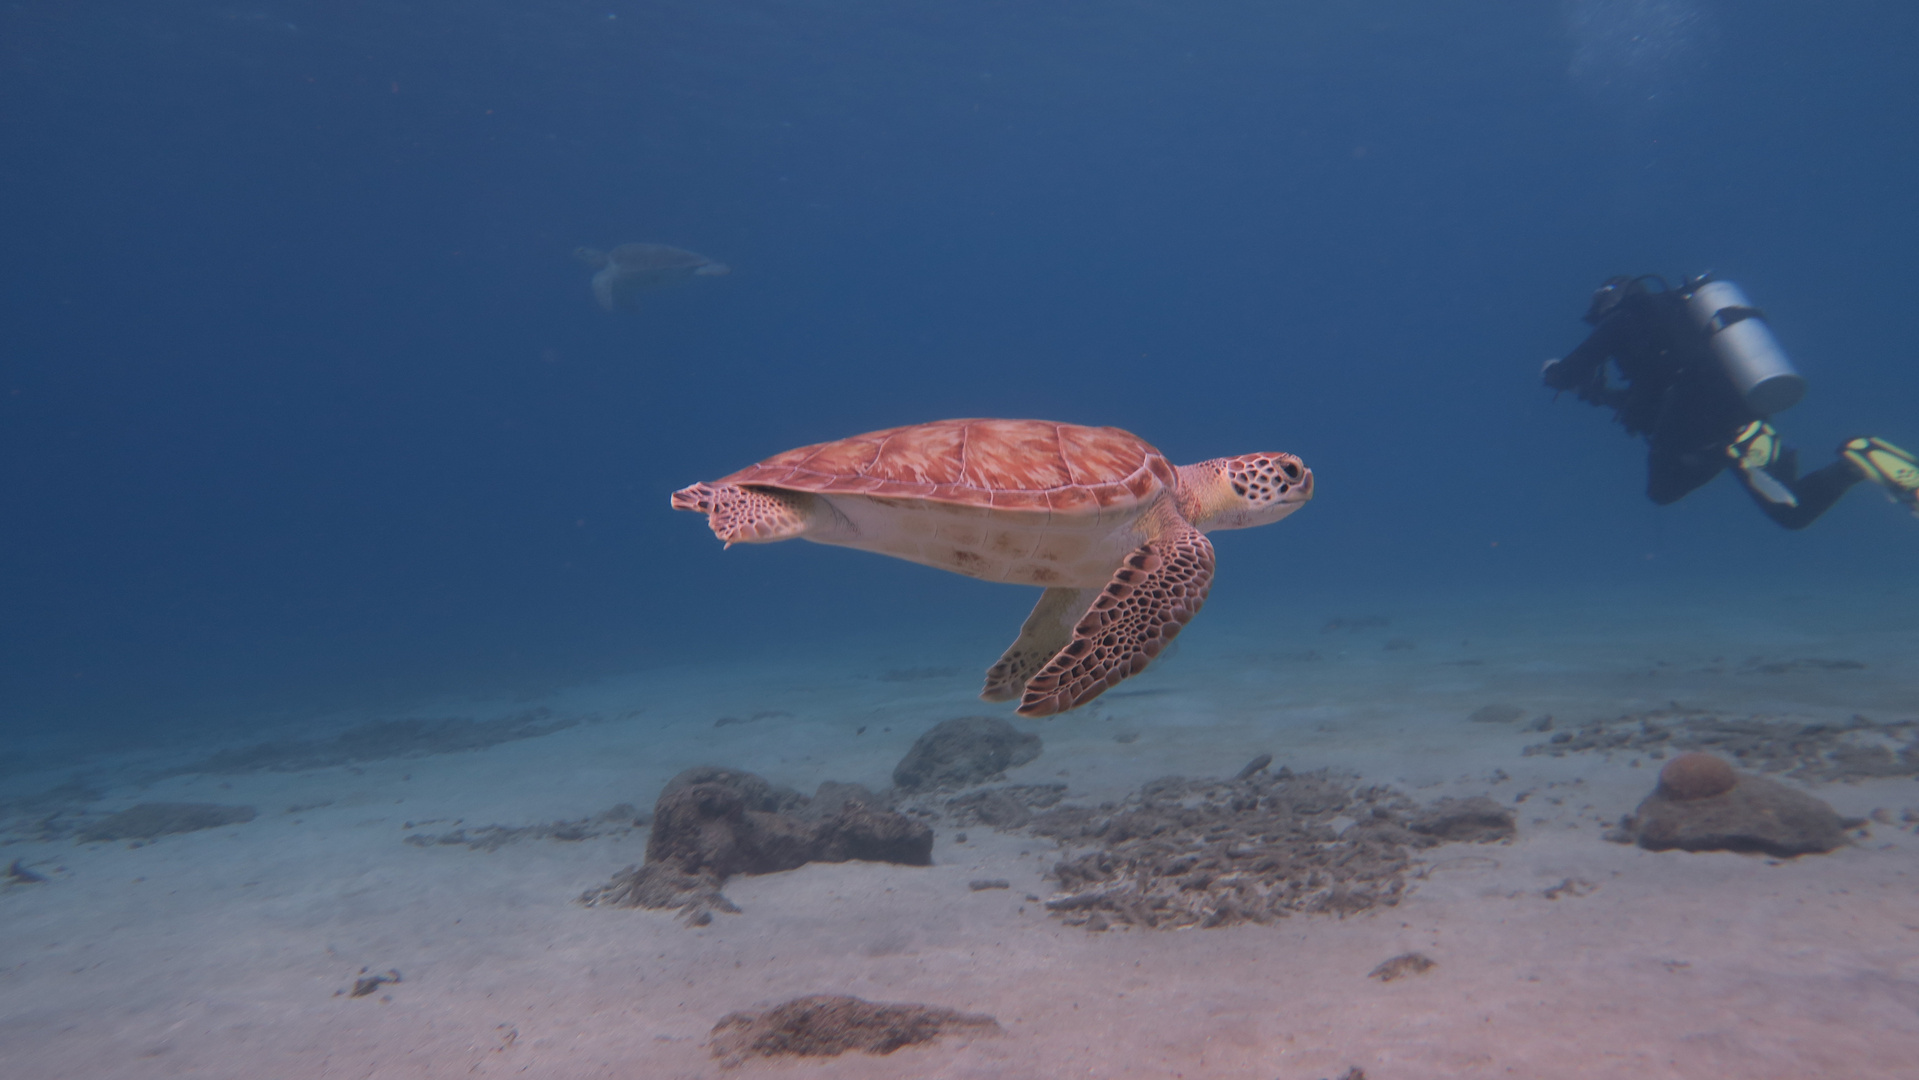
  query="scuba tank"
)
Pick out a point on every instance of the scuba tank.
point(1751, 356)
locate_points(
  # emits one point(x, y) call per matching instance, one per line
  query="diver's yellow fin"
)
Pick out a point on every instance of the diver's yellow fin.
point(1754, 449)
point(1889, 466)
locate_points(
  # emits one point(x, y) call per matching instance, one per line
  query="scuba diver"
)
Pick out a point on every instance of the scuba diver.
point(1703, 372)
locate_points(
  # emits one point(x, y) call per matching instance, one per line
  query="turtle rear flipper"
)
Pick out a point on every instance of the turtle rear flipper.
point(606, 288)
point(747, 515)
point(1157, 589)
point(1045, 632)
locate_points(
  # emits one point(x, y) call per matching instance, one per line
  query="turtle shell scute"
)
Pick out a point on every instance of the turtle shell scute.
point(1012, 465)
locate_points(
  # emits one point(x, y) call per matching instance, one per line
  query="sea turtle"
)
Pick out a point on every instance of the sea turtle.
point(1114, 531)
point(631, 267)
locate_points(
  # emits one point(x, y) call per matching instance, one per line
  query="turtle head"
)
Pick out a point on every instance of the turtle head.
point(1244, 491)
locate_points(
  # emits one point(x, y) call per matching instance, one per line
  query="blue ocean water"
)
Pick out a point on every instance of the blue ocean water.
point(305, 405)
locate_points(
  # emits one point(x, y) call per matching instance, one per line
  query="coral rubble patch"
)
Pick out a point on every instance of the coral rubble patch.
point(1858, 748)
point(1202, 853)
point(1007, 807)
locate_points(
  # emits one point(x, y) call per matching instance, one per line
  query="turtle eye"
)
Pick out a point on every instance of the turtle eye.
point(1291, 470)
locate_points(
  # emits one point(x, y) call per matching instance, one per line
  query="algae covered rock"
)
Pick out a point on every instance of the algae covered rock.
point(1705, 805)
point(964, 751)
point(709, 825)
point(1696, 776)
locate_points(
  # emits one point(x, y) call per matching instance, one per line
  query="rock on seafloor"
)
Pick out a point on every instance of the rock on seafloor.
point(715, 826)
point(964, 751)
point(1696, 775)
point(825, 1025)
point(1694, 809)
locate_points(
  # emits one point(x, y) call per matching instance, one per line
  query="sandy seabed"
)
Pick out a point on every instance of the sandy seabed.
point(224, 953)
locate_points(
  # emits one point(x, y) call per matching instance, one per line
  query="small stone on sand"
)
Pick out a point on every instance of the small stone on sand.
point(1696, 776)
point(1404, 964)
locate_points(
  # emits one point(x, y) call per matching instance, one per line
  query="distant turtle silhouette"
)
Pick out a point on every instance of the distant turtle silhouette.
point(629, 268)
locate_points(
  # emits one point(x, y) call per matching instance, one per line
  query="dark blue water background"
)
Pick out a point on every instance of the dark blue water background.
point(304, 405)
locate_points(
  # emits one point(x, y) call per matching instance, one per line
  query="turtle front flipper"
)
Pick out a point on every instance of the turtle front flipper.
point(1156, 591)
point(747, 515)
point(607, 290)
point(1045, 632)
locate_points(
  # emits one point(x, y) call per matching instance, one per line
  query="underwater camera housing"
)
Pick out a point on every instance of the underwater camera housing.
point(1752, 358)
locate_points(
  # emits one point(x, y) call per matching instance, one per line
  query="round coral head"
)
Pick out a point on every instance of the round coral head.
point(1696, 776)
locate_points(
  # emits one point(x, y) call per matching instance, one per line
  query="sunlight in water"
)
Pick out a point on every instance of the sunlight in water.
point(1635, 51)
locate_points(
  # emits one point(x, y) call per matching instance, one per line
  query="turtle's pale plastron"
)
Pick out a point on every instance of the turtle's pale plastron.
point(1112, 530)
point(629, 268)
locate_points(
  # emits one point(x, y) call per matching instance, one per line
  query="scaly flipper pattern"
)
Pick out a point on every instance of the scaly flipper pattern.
point(1156, 591)
point(1045, 632)
point(746, 515)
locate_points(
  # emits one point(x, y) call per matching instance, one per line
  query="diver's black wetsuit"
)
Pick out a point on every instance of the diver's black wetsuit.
point(1679, 398)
